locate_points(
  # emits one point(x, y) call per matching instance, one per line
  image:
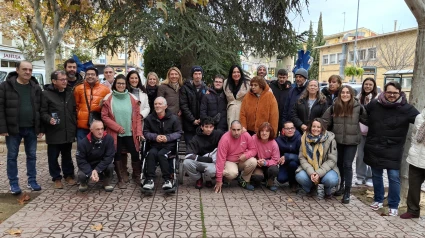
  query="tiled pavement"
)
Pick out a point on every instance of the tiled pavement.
point(233, 213)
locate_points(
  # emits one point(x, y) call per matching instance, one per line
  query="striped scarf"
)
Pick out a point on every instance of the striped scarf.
point(312, 148)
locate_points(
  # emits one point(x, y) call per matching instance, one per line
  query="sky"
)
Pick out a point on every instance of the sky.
point(377, 15)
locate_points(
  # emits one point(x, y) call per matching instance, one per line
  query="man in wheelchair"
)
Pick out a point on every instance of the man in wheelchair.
point(201, 153)
point(162, 129)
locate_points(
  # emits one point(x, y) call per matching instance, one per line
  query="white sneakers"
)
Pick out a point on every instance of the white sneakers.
point(393, 212)
point(167, 185)
point(149, 185)
point(376, 205)
point(369, 183)
point(359, 182)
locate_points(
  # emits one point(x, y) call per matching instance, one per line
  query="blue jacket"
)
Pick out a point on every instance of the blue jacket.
point(289, 144)
point(293, 96)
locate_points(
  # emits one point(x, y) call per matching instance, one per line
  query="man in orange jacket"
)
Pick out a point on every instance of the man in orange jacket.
point(88, 98)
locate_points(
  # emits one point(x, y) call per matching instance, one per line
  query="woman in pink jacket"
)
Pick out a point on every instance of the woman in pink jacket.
point(121, 115)
point(267, 156)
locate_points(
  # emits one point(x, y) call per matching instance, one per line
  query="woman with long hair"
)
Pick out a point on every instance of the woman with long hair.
point(311, 104)
point(152, 88)
point(121, 115)
point(333, 88)
point(135, 87)
point(235, 87)
point(344, 117)
point(363, 172)
point(169, 89)
point(318, 156)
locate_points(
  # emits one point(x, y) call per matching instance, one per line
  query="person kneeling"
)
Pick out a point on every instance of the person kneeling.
point(95, 155)
point(267, 156)
point(318, 156)
point(201, 153)
point(162, 130)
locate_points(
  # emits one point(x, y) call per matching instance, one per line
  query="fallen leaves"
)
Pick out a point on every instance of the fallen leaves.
point(290, 200)
point(97, 227)
point(14, 232)
point(369, 194)
point(24, 198)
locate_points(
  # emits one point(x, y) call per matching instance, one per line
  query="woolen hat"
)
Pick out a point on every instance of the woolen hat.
point(302, 72)
point(196, 69)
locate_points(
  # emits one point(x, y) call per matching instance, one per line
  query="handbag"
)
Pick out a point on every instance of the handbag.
point(92, 115)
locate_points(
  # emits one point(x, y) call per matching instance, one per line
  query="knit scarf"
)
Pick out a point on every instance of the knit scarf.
point(312, 148)
point(399, 103)
point(175, 86)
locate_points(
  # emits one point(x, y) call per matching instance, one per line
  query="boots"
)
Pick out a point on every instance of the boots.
point(346, 197)
point(136, 171)
point(118, 169)
point(340, 191)
point(124, 171)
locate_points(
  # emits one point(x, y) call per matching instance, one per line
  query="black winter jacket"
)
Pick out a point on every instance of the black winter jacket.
point(211, 105)
point(9, 105)
point(301, 114)
point(190, 104)
point(53, 102)
point(169, 126)
point(152, 93)
point(280, 92)
point(329, 95)
point(92, 155)
point(202, 144)
point(293, 96)
point(289, 145)
point(388, 127)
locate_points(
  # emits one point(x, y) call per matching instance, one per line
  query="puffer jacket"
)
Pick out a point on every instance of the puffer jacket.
point(95, 95)
point(211, 105)
point(293, 96)
point(144, 103)
point(53, 102)
point(190, 104)
point(289, 145)
point(169, 126)
point(172, 97)
point(417, 150)
point(9, 105)
point(302, 114)
point(234, 104)
point(256, 110)
point(329, 159)
point(112, 127)
point(346, 129)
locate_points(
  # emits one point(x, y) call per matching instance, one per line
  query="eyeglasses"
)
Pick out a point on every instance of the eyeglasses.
point(218, 82)
point(289, 129)
point(392, 93)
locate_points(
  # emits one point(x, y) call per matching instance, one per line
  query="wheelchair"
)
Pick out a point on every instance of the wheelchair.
point(174, 164)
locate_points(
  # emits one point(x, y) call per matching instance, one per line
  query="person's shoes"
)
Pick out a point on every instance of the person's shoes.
point(209, 184)
point(15, 189)
point(58, 184)
point(149, 184)
point(34, 186)
point(393, 212)
point(328, 196)
point(272, 188)
point(340, 191)
point(369, 183)
point(70, 181)
point(408, 215)
point(245, 185)
point(167, 185)
point(313, 191)
point(199, 183)
point(83, 187)
point(346, 197)
point(301, 192)
point(121, 184)
point(107, 186)
point(376, 206)
point(360, 182)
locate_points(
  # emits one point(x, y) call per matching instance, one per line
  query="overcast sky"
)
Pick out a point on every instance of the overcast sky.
point(377, 15)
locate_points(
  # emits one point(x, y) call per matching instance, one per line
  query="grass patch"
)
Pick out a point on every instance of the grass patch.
point(9, 204)
point(204, 230)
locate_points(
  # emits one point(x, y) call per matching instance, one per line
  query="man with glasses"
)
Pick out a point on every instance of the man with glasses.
point(88, 97)
point(109, 73)
point(59, 118)
point(289, 143)
point(389, 117)
point(214, 104)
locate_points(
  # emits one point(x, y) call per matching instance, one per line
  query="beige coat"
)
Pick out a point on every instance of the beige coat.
point(234, 104)
point(416, 156)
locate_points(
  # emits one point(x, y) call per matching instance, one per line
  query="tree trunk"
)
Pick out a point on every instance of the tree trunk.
point(417, 95)
point(187, 61)
point(49, 60)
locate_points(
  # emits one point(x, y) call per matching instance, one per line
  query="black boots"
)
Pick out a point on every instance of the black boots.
point(340, 191)
point(118, 169)
point(346, 197)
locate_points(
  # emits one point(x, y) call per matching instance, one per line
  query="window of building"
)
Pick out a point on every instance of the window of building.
point(271, 71)
point(339, 57)
point(121, 56)
point(362, 54)
point(351, 56)
point(102, 59)
point(8, 64)
point(371, 53)
point(332, 59)
point(325, 59)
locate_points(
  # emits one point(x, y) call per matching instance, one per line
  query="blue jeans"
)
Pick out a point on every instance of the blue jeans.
point(12, 144)
point(287, 170)
point(81, 134)
point(394, 186)
point(53, 152)
point(329, 181)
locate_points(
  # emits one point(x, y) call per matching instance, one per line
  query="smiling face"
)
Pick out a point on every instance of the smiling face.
point(160, 105)
point(120, 85)
point(60, 83)
point(288, 129)
point(173, 76)
point(392, 93)
point(316, 128)
point(236, 74)
point(134, 80)
point(345, 95)
point(368, 86)
point(91, 77)
point(265, 134)
point(109, 74)
point(71, 70)
point(152, 80)
point(262, 71)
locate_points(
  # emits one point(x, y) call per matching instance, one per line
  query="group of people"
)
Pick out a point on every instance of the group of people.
point(253, 130)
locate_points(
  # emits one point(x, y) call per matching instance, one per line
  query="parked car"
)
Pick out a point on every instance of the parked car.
point(356, 86)
point(39, 74)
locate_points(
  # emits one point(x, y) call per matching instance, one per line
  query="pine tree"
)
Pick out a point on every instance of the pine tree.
point(319, 41)
point(310, 38)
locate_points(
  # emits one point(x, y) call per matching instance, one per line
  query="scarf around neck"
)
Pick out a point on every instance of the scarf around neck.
point(397, 104)
point(312, 148)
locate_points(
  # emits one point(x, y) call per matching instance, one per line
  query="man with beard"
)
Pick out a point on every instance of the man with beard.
point(72, 76)
point(214, 104)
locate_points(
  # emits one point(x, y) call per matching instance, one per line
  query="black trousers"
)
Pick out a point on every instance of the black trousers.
point(346, 154)
point(53, 152)
point(105, 174)
point(128, 142)
point(416, 178)
point(157, 155)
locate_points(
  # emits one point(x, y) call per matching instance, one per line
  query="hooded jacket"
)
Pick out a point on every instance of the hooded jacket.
point(202, 144)
point(417, 150)
point(280, 92)
point(388, 127)
point(289, 145)
point(53, 102)
point(258, 109)
point(190, 104)
point(169, 126)
point(10, 103)
point(212, 104)
point(293, 96)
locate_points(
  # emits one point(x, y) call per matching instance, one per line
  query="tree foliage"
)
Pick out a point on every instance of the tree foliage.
point(310, 38)
point(318, 41)
point(213, 30)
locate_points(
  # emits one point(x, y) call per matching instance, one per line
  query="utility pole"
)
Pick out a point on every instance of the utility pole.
point(355, 41)
point(343, 26)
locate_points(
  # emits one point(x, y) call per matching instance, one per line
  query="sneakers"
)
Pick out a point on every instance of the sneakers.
point(107, 185)
point(209, 184)
point(15, 189)
point(34, 186)
point(393, 212)
point(70, 181)
point(167, 185)
point(83, 187)
point(199, 183)
point(369, 183)
point(376, 205)
point(58, 184)
point(245, 185)
point(360, 182)
point(408, 215)
point(149, 185)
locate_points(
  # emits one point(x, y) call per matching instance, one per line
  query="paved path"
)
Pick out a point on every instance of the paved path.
point(233, 213)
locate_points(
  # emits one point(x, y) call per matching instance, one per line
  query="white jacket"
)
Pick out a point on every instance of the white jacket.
point(144, 104)
point(416, 156)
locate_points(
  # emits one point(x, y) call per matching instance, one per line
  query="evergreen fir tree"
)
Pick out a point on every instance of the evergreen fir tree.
point(319, 41)
point(310, 38)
